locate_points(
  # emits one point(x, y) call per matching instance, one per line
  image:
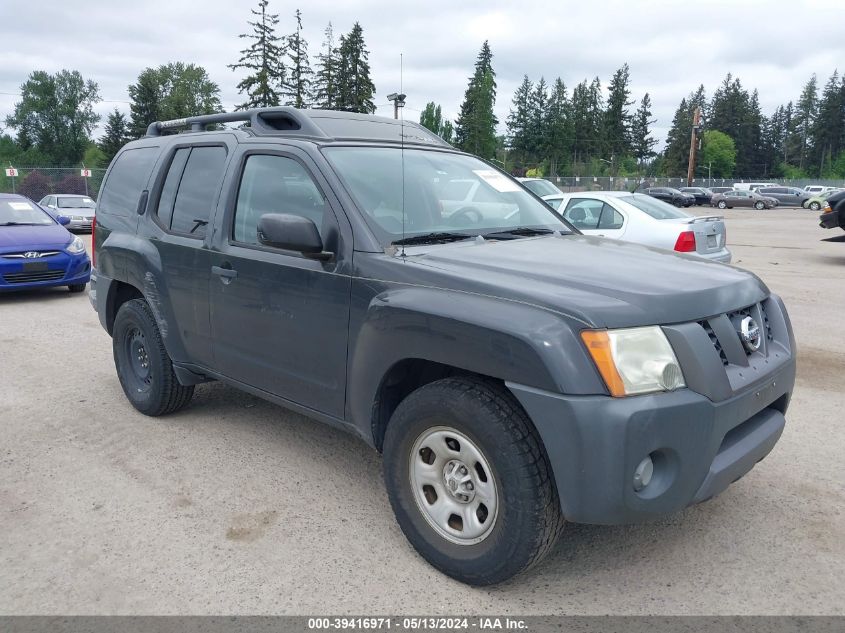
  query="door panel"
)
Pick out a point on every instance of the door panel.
point(280, 320)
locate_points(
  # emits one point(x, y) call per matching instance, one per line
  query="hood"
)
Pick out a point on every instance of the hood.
point(600, 282)
point(47, 236)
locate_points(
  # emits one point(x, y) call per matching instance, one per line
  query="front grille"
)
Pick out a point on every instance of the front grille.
point(31, 277)
point(769, 335)
point(736, 316)
point(714, 340)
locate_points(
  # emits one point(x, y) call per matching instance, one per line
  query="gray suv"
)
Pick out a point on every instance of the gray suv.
point(514, 373)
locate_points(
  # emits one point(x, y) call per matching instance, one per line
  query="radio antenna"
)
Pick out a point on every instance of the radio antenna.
point(402, 148)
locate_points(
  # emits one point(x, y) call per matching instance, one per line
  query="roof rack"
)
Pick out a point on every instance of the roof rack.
point(261, 120)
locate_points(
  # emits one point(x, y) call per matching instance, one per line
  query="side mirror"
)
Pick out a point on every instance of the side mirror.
point(63, 220)
point(291, 233)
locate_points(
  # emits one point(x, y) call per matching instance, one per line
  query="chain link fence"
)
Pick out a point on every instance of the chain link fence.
point(37, 182)
point(618, 183)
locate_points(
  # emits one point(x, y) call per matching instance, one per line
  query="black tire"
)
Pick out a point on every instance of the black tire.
point(528, 520)
point(815, 206)
point(759, 205)
point(76, 287)
point(149, 384)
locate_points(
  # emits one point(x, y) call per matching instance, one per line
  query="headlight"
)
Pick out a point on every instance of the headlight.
point(76, 247)
point(634, 361)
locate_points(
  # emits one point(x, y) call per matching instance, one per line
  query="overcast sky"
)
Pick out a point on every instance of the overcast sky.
point(671, 47)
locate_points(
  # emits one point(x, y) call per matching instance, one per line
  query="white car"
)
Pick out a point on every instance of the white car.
point(817, 189)
point(637, 217)
point(540, 187)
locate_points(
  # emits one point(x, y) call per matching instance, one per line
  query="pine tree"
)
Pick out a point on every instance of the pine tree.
point(115, 136)
point(355, 88)
point(617, 121)
point(519, 119)
point(297, 88)
point(324, 87)
point(539, 110)
point(802, 122)
point(263, 59)
point(676, 153)
point(827, 132)
point(642, 145)
point(475, 129)
point(557, 126)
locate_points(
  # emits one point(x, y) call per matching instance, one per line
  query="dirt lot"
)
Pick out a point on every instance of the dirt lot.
point(237, 506)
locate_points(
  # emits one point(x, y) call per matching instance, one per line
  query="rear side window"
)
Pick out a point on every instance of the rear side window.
point(126, 180)
point(189, 191)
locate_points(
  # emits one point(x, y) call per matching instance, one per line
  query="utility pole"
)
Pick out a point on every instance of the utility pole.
point(693, 145)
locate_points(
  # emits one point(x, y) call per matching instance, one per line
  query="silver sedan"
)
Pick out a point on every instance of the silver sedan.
point(80, 209)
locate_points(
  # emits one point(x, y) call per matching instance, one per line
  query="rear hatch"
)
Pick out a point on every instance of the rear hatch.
point(710, 233)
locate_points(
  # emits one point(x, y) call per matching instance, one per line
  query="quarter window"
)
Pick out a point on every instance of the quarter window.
point(274, 184)
point(127, 178)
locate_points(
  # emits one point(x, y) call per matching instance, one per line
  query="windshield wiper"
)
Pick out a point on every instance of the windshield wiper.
point(519, 231)
point(432, 238)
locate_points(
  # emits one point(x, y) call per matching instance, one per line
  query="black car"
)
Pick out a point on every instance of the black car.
point(672, 196)
point(702, 195)
point(834, 212)
point(514, 373)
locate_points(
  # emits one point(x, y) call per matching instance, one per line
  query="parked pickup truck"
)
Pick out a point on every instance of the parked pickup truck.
point(514, 373)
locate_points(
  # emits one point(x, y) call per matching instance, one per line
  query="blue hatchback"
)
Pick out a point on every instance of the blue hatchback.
point(36, 250)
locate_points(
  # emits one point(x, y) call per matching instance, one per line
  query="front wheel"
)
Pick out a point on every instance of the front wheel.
point(815, 206)
point(143, 365)
point(759, 205)
point(469, 481)
point(722, 204)
point(74, 288)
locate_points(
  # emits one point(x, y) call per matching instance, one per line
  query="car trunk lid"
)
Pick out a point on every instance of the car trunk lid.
point(710, 232)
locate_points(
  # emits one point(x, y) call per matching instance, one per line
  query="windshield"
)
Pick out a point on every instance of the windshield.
point(541, 187)
point(443, 192)
point(76, 203)
point(14, 212)
point(657, 209)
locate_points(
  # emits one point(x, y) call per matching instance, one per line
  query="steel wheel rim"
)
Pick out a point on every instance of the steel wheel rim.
point(139, 360)
point(453, 485)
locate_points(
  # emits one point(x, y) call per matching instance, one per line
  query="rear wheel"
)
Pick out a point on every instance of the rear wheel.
point(143, 365)
point(76, 287)
point(469, 481)
point(815, 206)
point(759, 205)
point(722, 204)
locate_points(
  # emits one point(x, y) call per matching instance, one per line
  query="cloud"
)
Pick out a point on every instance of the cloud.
point(670, 47)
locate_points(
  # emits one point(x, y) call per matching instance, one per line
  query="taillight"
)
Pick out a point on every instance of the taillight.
point(685, 242)
point(93, 241)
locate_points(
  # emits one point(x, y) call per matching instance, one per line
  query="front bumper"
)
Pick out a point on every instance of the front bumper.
point(829, 220)
point(62, 269)
point(79, 223)
point(698, 447)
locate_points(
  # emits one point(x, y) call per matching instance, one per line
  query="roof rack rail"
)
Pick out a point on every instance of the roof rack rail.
point(261, 120)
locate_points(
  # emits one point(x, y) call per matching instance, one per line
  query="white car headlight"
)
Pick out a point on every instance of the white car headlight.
point(76, 246)
point(634, 361)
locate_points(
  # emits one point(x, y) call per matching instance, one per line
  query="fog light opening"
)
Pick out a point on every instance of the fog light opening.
point(643, 474)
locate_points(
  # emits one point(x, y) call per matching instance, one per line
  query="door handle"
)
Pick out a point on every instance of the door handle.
point(226, 273)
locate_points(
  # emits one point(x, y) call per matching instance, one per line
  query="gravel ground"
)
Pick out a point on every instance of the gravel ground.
point(236, 506)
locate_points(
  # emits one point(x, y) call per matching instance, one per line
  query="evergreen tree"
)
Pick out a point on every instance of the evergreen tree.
point(475, 129)
point(355, 88)
point(827, 133)
point(676, 154)
point(115, 136)
point(617, 121)
point(172, 91)
point(519, 119)
point(324, 87)
point(642, 145)
point(558, 134)
point(297, 88)
point(802, 123)
point(447, 131)
point(537, 123)
point(263, 60)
